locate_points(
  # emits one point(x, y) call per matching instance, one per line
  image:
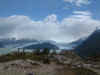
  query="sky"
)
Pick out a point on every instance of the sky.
point(58, 20)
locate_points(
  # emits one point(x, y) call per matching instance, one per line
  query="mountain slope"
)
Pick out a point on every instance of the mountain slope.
point(91, 46)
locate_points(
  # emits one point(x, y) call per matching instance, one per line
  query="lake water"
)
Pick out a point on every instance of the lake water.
point(5, 50)
point(9, 50)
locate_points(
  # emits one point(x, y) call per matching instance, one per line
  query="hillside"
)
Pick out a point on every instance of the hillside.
point(91, 46)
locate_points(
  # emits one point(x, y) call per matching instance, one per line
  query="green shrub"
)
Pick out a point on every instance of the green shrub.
point(84, 71)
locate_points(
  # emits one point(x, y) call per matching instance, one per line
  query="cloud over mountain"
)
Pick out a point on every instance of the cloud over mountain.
point(78, 25)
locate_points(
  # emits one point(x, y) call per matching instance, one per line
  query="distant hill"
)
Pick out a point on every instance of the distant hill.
point(91, 46)
point(42, 46)
point(13, 43)
point(27, 43)
point(1, 45)
point(10, 43)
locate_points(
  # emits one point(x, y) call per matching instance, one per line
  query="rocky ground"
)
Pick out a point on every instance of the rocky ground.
point(61, 64)
point(24, 67)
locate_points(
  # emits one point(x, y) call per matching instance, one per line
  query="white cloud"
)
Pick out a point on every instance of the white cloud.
point(78, 2)
point(86, 13)
point(78, 25)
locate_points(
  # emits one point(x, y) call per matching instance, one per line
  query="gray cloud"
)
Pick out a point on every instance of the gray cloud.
point(78, 25)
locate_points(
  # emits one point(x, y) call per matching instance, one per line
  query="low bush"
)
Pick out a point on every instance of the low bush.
point(84, 71)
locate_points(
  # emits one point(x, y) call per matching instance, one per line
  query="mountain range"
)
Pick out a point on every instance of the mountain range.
point(84, 47)
point(31, 43)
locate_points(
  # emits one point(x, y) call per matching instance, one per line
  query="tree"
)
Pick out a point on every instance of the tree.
point(45, 56)
point(46, 51)
point(37, 52)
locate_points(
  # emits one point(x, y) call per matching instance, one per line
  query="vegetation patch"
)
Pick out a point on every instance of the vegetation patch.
point(84, 71)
